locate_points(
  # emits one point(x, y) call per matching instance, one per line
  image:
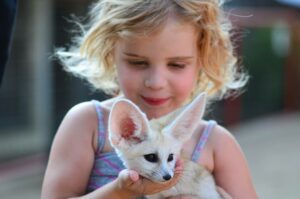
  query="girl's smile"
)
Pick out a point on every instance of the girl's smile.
point(158, 71)
point(155, 101)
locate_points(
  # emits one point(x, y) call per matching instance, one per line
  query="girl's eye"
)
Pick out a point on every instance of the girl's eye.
point(152, 157)
point(171, 157)
point(138, 63)
point(177, 65)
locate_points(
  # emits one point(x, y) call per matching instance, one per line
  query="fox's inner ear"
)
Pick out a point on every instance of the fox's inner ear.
point(185, 123)
point(130, 131)
point(127, 124)
point(127, 127)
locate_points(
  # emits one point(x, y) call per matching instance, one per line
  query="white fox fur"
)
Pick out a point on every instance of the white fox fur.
point(146, 146)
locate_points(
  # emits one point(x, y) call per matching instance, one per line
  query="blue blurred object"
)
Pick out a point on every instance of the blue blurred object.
point(7, 16)
point(295, 3)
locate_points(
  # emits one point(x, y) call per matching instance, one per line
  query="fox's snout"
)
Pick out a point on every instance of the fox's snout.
point(167, 177)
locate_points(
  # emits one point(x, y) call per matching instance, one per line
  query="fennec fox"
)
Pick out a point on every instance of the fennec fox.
point(152, 147)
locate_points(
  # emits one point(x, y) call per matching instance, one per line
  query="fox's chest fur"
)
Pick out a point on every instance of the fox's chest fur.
point(152, 147)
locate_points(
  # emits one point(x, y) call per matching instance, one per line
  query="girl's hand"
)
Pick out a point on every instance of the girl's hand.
point(131, 184)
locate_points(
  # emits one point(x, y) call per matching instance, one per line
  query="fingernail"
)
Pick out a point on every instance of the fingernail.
point(133, 176)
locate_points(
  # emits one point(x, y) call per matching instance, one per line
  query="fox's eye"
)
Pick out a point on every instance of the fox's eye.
point(152, 157)
point(171, 157)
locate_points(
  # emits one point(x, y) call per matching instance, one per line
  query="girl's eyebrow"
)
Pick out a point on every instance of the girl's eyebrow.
point(134, 55)
point(169, 58)
point(181, 58)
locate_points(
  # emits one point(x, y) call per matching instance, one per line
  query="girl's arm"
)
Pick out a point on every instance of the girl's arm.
point(72, 157)
point(231, 171)
point(72, 154)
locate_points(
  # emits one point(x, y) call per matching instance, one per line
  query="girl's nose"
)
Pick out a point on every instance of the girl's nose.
point(155, 79)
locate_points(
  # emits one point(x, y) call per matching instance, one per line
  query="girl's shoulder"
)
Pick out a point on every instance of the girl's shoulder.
point(217, 133)
point(86, 114)
point(81, 123)
point(81, 118)
point(218, 136)
point(220, 132)
point(87, 111)
point(221, 138)
point(84, 111)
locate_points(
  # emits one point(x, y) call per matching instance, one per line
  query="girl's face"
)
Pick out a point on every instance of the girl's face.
point(158, 71)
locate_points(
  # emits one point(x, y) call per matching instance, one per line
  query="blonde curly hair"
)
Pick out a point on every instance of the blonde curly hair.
point(91, 57)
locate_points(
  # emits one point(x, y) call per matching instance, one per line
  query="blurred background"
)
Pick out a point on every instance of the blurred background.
point(36, 93)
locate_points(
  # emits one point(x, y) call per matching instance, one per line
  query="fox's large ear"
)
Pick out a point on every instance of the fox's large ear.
point(127, 124)
point(185, 123)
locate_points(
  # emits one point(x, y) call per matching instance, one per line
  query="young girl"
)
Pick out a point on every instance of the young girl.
point(159, 54)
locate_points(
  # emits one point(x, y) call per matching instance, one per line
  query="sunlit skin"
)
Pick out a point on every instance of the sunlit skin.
point(158, 72)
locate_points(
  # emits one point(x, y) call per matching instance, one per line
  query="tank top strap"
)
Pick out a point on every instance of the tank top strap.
point(101, 126)
point(202, 140)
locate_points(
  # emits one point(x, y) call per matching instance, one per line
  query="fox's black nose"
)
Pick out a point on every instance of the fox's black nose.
point(167, 177)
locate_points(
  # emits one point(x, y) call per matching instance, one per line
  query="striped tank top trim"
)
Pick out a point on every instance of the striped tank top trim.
point(202, 141)
point(101, 127)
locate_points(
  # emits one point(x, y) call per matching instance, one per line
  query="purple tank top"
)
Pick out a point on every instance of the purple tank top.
point(107, 165)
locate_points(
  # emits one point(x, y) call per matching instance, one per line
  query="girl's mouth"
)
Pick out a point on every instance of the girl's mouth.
point(155, 101)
